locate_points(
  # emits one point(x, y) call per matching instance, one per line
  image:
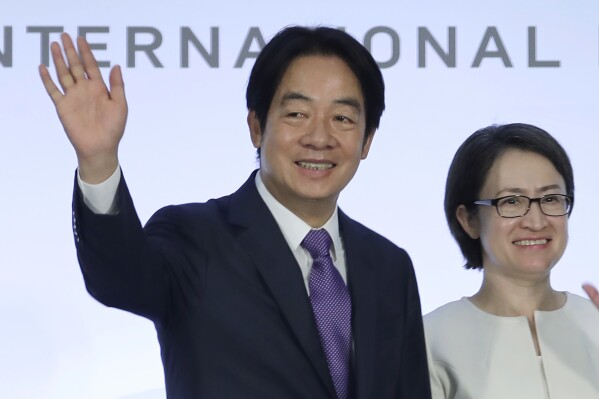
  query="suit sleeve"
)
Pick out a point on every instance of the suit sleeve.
point(121, 265)
point(414, 377)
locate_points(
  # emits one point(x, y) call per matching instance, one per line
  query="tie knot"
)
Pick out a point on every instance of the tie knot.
point(317, 242)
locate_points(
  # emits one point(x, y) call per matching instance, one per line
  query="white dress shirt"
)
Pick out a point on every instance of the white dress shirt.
point(295, 229)
point(101, 197)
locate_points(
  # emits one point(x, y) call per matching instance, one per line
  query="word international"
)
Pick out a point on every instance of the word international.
point(146, 42)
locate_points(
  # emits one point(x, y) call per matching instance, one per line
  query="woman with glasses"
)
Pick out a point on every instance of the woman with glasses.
point(509, 194)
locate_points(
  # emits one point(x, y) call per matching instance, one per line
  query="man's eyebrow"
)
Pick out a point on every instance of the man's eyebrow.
point(351, 101)
point(294, 95)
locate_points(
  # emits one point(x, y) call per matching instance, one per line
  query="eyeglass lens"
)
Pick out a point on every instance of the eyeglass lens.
point(517, 205)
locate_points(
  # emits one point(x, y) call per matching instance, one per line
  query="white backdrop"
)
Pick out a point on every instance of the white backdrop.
point(187, 140)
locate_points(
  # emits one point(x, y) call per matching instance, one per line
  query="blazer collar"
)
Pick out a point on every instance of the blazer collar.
point(263, 241)
point(362, 285)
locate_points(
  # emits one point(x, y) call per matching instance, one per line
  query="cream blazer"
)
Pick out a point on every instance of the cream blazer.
point(476, 355)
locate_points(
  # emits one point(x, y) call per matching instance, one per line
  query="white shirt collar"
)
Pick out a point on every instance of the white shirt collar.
point(294, 229)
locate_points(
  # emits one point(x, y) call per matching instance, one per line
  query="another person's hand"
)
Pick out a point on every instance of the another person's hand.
point(93, 116)
point(592, 293)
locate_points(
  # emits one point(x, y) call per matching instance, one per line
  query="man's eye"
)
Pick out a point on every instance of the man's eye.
point(295, 114)
point(344, 119)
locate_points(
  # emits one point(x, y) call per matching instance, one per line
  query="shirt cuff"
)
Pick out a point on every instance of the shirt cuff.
point(101, 198)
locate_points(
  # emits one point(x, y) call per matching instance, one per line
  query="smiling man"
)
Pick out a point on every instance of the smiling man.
point(272, 291)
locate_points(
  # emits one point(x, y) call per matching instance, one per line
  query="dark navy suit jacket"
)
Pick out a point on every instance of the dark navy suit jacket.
point(230, 306)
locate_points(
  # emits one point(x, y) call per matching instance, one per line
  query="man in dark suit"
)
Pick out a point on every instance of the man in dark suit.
point(272, 291)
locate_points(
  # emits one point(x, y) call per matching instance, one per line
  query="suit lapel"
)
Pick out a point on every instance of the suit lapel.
point(362, 286)
point(263, 241)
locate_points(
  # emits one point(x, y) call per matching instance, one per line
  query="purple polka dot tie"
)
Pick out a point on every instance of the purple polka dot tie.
point(331, 304)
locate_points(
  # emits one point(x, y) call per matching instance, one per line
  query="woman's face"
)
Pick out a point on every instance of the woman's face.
point(528, 246)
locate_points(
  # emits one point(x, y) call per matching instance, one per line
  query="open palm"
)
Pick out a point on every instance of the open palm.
point(93, 116)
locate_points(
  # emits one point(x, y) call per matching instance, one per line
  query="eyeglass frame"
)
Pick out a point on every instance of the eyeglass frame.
point(495, 201)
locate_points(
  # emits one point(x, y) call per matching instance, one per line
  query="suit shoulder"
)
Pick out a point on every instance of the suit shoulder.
point(196, 216)
point(376, 241)
point(182, 212)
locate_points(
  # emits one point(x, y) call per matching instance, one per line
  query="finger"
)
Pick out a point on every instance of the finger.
point(589, 289)
point(55, 94)
point(75, 65)
point(591, 292)
point(90, 64)
point(62, 70)
point(117, 85)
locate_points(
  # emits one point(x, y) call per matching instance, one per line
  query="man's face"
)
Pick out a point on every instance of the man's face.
point(313, 139)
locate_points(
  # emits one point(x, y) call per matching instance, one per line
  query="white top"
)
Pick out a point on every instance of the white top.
point(476, 355)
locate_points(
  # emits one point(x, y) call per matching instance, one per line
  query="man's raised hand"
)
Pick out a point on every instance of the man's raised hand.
point(92, 115)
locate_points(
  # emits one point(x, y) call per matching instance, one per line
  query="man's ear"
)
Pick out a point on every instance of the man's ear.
point(367, 142)
point(468, 221)
point(255, 130)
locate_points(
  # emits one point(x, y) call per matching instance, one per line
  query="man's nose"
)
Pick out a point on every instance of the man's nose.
point(319, 134)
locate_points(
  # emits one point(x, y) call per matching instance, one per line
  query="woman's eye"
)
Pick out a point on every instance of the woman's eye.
point(511, 201)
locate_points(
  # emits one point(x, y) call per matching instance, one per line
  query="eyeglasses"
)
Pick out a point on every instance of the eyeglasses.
point(513, 206)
